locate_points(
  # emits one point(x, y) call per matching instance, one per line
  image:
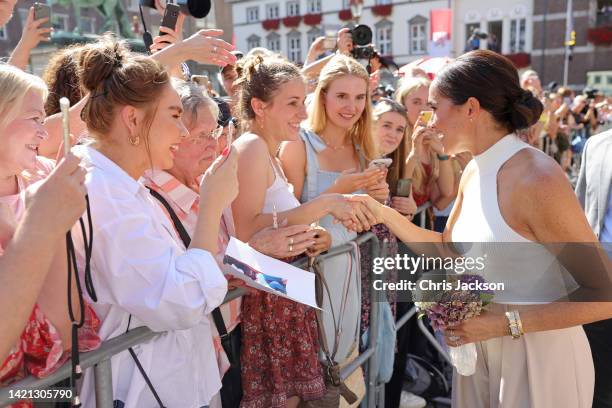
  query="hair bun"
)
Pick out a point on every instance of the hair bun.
point(99, 61)
point(525, 111)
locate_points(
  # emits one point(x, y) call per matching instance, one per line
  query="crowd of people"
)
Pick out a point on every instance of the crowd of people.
point(162, 171)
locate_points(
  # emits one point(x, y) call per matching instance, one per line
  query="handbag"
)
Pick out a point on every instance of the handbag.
point(335, 387)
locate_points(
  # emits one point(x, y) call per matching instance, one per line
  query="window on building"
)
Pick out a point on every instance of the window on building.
point(517, 35)
point(609, 80)
point(252, 14)
point(597, 79)
point(382, 2)
point(88, 25)
point(494, 41)
point(417, 35)
point(293, 8)
point(3, 33)
point(384, 37)
point(346, 4)
point(253, 41)
point(313, 6)
point(272, 11)
point(60, 21)
point(312, 35)
point(273, 41)
point(469, 29)
point(294, 46)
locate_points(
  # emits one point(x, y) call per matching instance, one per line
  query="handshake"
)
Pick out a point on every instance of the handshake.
point(357, 212)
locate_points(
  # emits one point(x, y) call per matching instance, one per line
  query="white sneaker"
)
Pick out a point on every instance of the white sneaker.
point(410, 400)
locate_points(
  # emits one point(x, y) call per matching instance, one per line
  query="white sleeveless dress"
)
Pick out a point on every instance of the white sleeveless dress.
point(548, 369)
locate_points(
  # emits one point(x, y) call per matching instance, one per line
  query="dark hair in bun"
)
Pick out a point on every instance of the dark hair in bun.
point(493, 80)
point(115, 77)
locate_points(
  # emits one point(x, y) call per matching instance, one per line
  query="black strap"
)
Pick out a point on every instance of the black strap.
point(142, 371)
point(216, 313)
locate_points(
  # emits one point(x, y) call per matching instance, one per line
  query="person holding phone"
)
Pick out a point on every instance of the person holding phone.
point(37, 28)
point(46, 338)
point(332, 156)
point(426, 163)
point(142, 273)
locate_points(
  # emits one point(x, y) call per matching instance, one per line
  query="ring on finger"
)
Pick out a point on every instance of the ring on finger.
point(290, 241)
point(290, 247)
point(214, 50)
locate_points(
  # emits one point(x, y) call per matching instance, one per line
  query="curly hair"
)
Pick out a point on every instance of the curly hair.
point(62, 78)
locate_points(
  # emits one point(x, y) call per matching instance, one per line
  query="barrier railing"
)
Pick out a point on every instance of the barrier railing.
point(100, 358)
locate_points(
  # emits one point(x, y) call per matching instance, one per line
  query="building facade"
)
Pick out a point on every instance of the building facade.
point(91, 22)
point(592, 22)
point(400, 28)
point(531, 33)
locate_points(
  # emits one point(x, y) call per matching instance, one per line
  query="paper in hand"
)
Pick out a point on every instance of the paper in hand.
point(262, 272)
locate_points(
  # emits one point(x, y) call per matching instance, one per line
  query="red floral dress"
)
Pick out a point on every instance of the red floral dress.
point(279, 356)
point(40, 351)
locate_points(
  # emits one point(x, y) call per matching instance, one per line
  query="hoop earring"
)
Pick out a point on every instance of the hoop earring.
point(134, 141)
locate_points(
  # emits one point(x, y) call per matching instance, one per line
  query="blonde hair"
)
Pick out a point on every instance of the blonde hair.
point(396, 170)
point(409, 86)
point(361, 132)
point(14, 85)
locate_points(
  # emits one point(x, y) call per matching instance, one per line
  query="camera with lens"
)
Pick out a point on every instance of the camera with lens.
point(193, 8)
point(477, 34)
point(362, 40)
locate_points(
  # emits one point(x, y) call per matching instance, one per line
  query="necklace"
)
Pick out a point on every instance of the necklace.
point(336, 148)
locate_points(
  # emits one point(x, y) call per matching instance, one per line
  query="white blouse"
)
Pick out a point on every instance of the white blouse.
point(140, 267)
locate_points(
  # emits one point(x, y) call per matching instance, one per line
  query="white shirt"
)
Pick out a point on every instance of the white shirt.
point(140, 267)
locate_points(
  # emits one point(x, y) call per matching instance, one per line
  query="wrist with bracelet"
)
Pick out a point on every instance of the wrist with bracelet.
point(515, 325)
point(442, 157)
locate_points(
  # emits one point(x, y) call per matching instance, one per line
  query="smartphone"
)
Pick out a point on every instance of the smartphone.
point(170, 16)
point(42, 11)
point(425, 116)
point(385, 162)
point(403, 187)
point(329, 43)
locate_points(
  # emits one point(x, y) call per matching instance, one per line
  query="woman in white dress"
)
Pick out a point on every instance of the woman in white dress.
point(509, 192)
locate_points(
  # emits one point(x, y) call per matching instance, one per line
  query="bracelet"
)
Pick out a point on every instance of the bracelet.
point(443, 157)
point(515, 325)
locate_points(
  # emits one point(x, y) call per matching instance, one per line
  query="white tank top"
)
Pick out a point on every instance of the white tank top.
point(279, 194)
point(530, 273)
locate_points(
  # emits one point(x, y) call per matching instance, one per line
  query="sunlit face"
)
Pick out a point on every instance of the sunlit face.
point(197, 151)
point(286, 110)
point(229, 75)
point(6, 10)
point(532, 81)
point(345, 100)
point(167, 130)
point(450, 120)
point(23, 135)
point(416, 102)
point(389, 130)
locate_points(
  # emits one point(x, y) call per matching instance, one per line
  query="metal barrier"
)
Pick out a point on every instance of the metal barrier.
point(99, 359)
